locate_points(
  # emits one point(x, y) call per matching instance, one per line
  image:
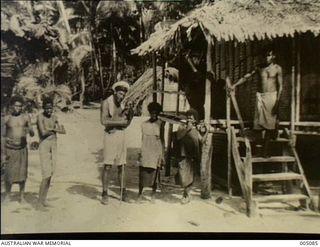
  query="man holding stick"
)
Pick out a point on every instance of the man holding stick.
point(267, 97)
point(115, 118)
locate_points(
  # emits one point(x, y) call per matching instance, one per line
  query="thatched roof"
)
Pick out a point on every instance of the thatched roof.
point(142, 87)
point(241, 20)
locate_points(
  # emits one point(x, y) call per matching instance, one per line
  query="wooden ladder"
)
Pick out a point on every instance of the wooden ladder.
point(254, 170)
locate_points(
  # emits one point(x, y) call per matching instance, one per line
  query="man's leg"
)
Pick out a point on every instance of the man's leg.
point(186, 194)
point(43, 192)
point(8, 187)
point(105, 183)
point(155, 184)
point(22, 185)
point(122, 182)
point(266, 142)
point(140, 181)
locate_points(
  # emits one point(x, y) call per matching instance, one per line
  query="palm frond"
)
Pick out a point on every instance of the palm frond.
point(78, 53)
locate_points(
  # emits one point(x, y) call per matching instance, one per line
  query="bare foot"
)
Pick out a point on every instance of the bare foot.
point(40, 207)
point(104, 200)
point(22, 200)
point(47, 205)
point(6, 200)
point(185, 200)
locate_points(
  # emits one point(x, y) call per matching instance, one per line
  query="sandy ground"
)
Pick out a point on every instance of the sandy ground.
point(76, 191)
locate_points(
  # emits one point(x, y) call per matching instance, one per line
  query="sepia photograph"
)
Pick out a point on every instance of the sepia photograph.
point(164, 118)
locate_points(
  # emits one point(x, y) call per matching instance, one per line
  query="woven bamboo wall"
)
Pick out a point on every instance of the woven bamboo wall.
point(236, 60)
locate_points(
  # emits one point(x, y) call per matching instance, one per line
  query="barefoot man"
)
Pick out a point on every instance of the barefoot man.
point(268, 96)
point(16, 127)
point(48, 128)
point(115, 119)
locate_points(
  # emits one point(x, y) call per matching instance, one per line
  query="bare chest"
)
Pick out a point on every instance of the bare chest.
point(16, 122)
point(269, 73)
point(49, 122)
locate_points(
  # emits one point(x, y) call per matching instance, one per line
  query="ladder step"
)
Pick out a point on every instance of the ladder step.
point(281, 140)
point(281, 198)
point(272, 159)
point(276, 177)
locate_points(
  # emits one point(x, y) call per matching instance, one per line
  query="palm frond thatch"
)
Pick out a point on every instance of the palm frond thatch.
point(142, 87)
point(242, 20)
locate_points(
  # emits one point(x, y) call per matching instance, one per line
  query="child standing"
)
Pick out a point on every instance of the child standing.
point(189, 140)
point(152, 150)
point(48, 127)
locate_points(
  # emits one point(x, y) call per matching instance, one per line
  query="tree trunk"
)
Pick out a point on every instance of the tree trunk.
point(65, 18)
point(83, 87)
point(114, 59)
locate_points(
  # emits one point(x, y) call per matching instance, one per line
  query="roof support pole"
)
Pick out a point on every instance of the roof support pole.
point(209, 78)
point(178, 96)
point(293, 72)
point(206, 156)
point(298, 85)
point(162, 79)
point(154, 65)
point(228, 117)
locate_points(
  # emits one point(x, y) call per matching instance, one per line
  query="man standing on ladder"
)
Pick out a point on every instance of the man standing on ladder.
point(115, 119)
point(267, 98)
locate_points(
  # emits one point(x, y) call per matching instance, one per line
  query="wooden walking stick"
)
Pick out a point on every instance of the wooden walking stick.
point(121, 186)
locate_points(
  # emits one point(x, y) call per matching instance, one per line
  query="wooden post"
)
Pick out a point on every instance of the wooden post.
point(228, 117)
point(178, 95)
point(169, 151)
point(207, 101)
point(293, 72)
point(205, 172)
point(228, 113)
point(206, 156)
point(154, 65)
point(298, 89)
point(162, 80)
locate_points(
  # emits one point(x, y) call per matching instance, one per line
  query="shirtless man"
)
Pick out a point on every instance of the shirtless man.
point(268, 96)
point(16, 127)
point(48, 127)
point(115, 119)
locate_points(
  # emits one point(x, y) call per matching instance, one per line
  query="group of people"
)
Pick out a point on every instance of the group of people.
point(16, 126)
point(116, 118)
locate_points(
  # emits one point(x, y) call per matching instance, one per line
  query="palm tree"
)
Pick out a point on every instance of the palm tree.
point(118, 26)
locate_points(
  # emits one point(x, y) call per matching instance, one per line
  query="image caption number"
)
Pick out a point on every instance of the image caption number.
point(309, 243)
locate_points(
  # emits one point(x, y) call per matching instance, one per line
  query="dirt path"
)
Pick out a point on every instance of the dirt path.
point(76, 190)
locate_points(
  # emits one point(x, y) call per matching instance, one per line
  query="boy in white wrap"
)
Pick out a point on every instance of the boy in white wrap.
point(268, 96)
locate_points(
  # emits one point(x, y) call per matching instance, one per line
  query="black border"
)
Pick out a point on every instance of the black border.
point(162, 236)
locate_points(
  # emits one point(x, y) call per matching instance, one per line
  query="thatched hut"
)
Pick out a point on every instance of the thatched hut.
point(232, 34)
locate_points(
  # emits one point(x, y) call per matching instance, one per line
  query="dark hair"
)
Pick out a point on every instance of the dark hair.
point(268, 48)
point(47, 101)
point(16, 98)
point(194, 113)
point(154, 106)
point(120, 88)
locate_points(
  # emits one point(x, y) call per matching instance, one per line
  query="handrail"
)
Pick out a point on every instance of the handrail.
point(231, 94)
